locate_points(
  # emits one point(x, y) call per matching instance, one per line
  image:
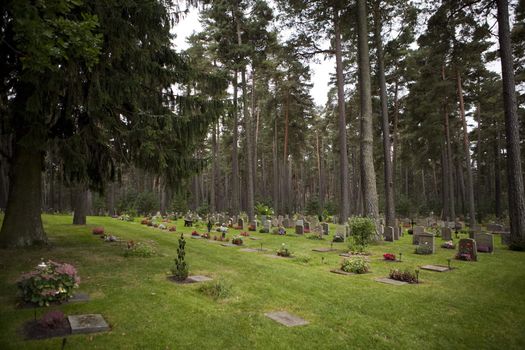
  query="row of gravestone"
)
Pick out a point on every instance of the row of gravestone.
point(484, 241)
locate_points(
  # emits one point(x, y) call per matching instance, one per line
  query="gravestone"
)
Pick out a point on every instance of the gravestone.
point(340, 230)
point(446, 233)
point(325, 228)
point(396, 232)
point(286, 222)
point(505, 238)
point(484, 242)
point(299, 229)
point(286, 318)
point(198, 278)
point(495, 228)
point(348, 233)
point(266, 226)
point(388, 233)
point(90, 323)
point(240, 223)
point(391, 281)
point(427, 239)
point(436, 268)
point(307, 225)
point(275, 222)
point(468, 246)
point(335, 219)
point(253, 224)
point(401, 231)
point(458, 226)
point(416, 232)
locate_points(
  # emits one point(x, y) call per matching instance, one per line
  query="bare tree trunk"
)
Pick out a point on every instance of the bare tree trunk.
point(367, 142)
point(450, 166)
point(390, 211)
point(344, 203)
point(497, 172)
point(275, 169)
point(466, 146)
point(235, 152)
point(514, 172)
point(213, 176)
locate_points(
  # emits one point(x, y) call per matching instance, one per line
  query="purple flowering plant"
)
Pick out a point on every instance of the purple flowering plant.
point(49, 282)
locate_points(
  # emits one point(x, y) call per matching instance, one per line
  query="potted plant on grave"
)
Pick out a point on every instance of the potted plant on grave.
point(448, 245)
point(338, 238)
point(284, 251)
point(404, 276)
point(180, 269)
point(195, 234)
point(172, 229)
point(389, 257)
point(237, 240)
point(49, 282)
point(357, 265)
point(98, 230)
point(245, 234)
point(205, 235)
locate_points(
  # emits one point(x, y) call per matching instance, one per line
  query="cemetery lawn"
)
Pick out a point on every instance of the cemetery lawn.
point(479, 305)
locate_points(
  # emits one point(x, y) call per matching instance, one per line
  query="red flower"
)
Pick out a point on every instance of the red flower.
point(388, 256)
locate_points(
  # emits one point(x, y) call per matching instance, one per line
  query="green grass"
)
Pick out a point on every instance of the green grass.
point(479, 305)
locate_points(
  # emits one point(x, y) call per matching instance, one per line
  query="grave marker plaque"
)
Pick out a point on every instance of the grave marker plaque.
point(446, 233)
point(429, 240)
point(325, 228)
point(388, 233)
point(484, 242)
point(467, 249)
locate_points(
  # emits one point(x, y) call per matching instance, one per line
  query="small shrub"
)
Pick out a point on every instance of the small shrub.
point(205, 235)
point(245, 234)
point(52, 319)
point(388, 256)
point(314, 236)
point(172, 229)
point(98, 230)
point(144, 221)
point(180, 270)
point(405, 276)
point(48, 282)
point(139, 249)
point(195, 233)
point(363, 230)
point(284, 251)
point(355, 265)
point(464, 256)
point(217, 289)
point(304, 259)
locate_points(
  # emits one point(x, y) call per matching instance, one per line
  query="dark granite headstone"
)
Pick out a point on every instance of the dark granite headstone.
point(484, 242)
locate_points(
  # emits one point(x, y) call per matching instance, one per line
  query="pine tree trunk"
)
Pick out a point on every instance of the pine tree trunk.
point(235, 153)
point(367, 142)
point(390, 212)
point(275, 168)
point(450, 166)
point(514, 172)
point(344, 203)
point(80, 206)
point(466, 147)
point(22, 225)
point(446, 187)
point(214, 168)
point(497, 173)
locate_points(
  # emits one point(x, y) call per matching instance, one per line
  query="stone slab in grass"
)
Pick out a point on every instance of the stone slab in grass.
point(324, 250)
point(390, 281)
point(79, 297)
point(252, 250)
point(274, 256)
point(255, 238)
point(229, 245)
point(341, 272)
point(90, 323)
point(437, 268)
point(287, 319)
point(198, 278)
point(196, 237)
